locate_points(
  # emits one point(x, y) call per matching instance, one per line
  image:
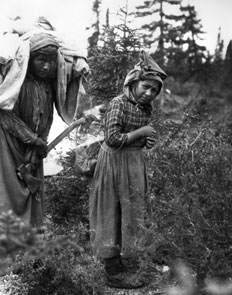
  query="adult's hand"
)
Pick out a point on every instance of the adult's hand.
point(41, 147)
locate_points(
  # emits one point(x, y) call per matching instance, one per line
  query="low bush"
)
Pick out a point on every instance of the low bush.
point(191, 178)
point(67, 194)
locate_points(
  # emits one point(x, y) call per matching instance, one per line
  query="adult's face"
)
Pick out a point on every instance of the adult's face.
point(145, 91)
point(44, 66)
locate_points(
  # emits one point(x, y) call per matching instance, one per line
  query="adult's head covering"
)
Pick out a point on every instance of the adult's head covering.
point(41, 40)
point(147, 68)
point(72, 67)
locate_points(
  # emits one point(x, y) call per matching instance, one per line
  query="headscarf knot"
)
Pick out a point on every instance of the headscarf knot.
point(146, 68)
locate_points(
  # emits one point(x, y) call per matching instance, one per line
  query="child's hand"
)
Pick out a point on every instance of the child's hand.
point(150, 142)
point(147, 131)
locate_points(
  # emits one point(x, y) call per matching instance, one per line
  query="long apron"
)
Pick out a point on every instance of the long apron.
point(117, 201)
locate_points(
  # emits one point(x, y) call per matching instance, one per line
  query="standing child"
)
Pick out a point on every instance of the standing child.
point(120, 184)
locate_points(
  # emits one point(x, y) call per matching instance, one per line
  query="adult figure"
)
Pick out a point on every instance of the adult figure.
point(26, 118)
point(120, 184)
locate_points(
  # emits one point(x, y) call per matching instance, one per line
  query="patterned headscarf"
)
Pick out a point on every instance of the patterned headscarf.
point(146, 68)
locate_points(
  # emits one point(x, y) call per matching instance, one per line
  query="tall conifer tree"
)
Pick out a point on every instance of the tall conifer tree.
point(94, 38)
point(156, 29)
point(192, 31)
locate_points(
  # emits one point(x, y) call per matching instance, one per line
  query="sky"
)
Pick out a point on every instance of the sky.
point(71, 17)
point(215, 14)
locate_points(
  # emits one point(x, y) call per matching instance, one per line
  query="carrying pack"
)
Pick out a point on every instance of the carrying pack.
point(86, 159)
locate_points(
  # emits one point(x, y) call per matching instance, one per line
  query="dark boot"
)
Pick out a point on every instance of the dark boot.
point(118, 277)
point(125, 280)
point(113, 265)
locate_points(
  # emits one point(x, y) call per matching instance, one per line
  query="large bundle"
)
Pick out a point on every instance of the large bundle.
point(14, 56)
point(86, 158)
point(87, 151)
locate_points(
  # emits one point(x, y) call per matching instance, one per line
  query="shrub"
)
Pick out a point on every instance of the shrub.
point(190, 174)
point(67, 195)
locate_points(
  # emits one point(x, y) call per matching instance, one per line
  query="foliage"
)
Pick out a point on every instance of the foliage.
point(15, 236)
point(190, 174)
point(219, 48)
point(109, 66)
point(160, 22)
point(110, 61)
point(12, 284)
point(225, 81)
point(63, 271)
point(67, 195)
point(93, 39)
point(191, 27)
point(175, 36)
point(50, 264)
point(186, 284)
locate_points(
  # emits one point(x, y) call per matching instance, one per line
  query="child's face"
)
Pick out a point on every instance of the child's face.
point(146, 90)
point(44, 66)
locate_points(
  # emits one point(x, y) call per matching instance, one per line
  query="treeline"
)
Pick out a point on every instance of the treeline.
point(169, 30)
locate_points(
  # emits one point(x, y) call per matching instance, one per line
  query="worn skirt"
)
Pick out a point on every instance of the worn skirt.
point(14, 194)
point(117, 201)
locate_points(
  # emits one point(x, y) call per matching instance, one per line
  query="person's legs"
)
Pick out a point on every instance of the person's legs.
point(106, 219)
point(131, 190)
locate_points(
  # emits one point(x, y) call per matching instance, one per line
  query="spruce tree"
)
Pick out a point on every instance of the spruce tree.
point(156, 32)
point(111, 61)
point(94, 38)
point(219, 47)
point(192, 30)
